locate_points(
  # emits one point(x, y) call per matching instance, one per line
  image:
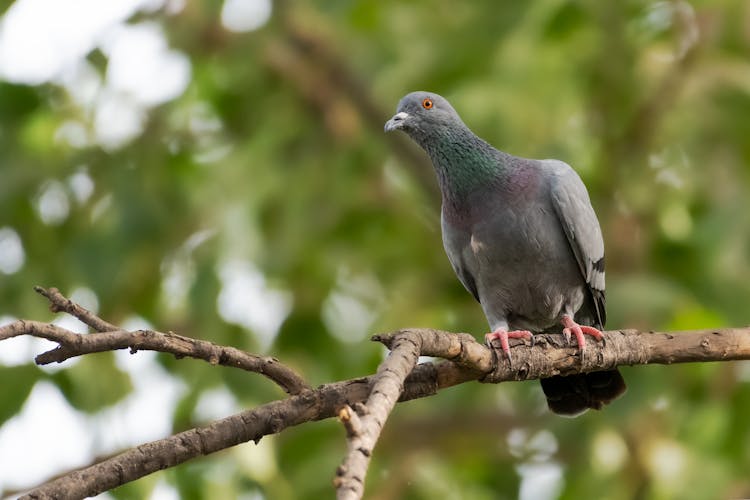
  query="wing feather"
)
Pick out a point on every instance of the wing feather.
point(573, 208)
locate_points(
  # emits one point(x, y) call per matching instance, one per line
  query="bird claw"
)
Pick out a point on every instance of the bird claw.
point(504, 335)
point(571, 327)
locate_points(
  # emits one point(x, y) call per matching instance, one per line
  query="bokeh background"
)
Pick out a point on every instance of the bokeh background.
point(219, 169)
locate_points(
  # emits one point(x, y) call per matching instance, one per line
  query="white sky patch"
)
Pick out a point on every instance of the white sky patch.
point(118, 119)
point(41, 39)
point(164, 491)
point(52, 204)
point(141, 64)
point(83, 83)
point(245, 15)
point(72, 132)
point(15, 351)
point(70, 323)
point(146, 413)
point(82, 185)
point(667, 461)
point(540, 481)
point(86, 298)
point(46, 418)
point(133, 323)
point(214, 404)
point(257, 461)
point(609, 452)
point(12, 256)
point(516, 439)
point(142, 71)
point(538, 447)
point(178, 272)
point(247, 300)
point(353, 305)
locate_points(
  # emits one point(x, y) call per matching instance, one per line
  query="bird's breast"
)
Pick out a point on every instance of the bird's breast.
point(523, 267)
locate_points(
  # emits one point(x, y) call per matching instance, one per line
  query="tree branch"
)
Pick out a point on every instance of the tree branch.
point(59, 303)
point(72, 344)
point(551, 356)
point(365, 422)
point(465, 360)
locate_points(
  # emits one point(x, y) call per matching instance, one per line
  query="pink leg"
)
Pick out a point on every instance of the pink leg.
point(579, 331)
point(504, 335)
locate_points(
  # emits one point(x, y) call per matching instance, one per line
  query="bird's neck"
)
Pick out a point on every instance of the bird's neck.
point(466, 166)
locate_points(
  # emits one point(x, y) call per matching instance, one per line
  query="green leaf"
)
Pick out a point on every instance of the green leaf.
point(94, 382)
point(17, 384)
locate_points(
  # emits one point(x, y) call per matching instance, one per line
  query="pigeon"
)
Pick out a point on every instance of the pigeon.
point(523, 239)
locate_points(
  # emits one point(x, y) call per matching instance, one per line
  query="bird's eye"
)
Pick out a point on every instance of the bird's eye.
point(427, 103)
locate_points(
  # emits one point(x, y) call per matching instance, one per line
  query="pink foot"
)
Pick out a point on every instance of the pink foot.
point(571, 327)
point(504, 335)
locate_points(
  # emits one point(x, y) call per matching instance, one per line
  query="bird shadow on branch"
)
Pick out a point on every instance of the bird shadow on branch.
point(362, 404)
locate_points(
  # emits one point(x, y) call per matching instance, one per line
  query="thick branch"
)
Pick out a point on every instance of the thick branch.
point(550, 355)
point(365, 422)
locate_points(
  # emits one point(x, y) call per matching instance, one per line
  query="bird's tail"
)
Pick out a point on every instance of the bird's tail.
point(574, 394)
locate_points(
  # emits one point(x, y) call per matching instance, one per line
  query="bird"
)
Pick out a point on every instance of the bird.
point(523, 239)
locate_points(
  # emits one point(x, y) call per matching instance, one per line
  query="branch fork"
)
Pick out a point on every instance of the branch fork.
point(362, 404)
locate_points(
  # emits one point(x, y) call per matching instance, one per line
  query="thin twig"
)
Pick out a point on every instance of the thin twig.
point(71, 344)
point(59, 303)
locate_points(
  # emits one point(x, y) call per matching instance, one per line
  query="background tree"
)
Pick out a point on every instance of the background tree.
point(207, 169)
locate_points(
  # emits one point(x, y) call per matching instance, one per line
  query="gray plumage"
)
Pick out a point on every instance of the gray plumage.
point(521, 236)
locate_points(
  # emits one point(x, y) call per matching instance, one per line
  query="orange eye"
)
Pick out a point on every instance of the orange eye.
point(427, 103)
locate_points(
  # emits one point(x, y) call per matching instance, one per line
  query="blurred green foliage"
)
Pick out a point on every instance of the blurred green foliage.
point(275, 155)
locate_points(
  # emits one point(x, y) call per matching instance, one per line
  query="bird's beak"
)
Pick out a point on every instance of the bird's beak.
point(397, 122)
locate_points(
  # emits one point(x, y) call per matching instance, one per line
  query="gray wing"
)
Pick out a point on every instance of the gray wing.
point(456, 244)
point(571, 203)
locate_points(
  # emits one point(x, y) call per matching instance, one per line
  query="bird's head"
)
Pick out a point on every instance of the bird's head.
point(420, 114)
